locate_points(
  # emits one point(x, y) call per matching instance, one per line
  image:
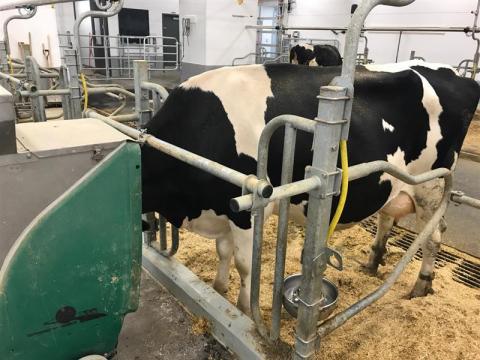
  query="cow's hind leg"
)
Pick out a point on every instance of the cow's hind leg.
point(428, 199)
point(225, 252)
point(384, 225)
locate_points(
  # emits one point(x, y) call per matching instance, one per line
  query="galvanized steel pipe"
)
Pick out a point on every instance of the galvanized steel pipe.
point(156, 88)
point(365, 169)
point(230, 175)
point(339, 319)
point(15, 17)
point(459, 197)
point(15, 4)
point(83, 16)
point(24, 85)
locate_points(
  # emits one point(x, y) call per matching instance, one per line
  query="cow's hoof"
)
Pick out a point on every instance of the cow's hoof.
point(369, 269)
point(245, 309)
point(220, 288)
point(421, 288)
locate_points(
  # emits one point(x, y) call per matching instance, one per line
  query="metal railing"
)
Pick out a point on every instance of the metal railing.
point(111, 57)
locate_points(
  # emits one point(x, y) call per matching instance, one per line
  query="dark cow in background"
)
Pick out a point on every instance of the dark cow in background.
point(414, 115)
point(315, 55)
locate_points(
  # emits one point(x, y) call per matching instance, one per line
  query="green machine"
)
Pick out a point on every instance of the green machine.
point(70, 236)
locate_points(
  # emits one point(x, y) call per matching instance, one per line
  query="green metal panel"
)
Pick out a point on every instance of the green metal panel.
point(75, 271)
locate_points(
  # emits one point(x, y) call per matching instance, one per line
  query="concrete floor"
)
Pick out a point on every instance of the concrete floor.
point(162, 329)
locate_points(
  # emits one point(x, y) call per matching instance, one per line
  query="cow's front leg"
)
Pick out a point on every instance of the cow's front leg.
point(242, 252)
point(225, 252)
point(376, 257)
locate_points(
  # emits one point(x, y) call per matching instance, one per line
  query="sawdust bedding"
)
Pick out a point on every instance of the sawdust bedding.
point(445, 325)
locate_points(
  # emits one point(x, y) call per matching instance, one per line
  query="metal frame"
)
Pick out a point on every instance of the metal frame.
point(101, 14)
point(15, 4)
point(124, 50)
point(321, 182)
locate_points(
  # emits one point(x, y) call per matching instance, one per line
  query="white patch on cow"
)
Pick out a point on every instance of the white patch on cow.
point(387, 126)
point(307, 46)
point(455, 158)
point(243, 91)
point(406, 65)
point(428, 155)
point(208, 224)
point(313, 62)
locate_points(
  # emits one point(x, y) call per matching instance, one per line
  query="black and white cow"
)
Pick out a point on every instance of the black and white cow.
point(315, 55)
point(414, 115)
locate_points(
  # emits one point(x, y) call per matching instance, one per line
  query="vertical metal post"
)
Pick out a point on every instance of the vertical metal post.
point(106, 44)
point(150, 235)
point(324, 164)
point(162, 228)
point(282, 231)
point(64, 84)
point(33, 77)
point(142, 106)
point(74, 83)
point(334, 112)
point(3, 60)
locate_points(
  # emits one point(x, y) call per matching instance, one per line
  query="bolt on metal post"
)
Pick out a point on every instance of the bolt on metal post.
point(73, 83)
point(33, 77)
point(324, 165)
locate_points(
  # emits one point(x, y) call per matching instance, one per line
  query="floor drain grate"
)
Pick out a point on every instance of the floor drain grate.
point(465, 272)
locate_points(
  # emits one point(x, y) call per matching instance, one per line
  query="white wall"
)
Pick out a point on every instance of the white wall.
point(218, 35)
point(65, 21)
point(226, 35)
point(156, 9)
point(444, 47)
point(43, 30)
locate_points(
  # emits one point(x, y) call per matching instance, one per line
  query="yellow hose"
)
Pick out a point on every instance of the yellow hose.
point(85, 92)
point(10, 64)
point(344, 188)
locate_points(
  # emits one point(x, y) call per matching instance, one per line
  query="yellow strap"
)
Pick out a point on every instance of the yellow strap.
point(85, 92)
point(344, 189)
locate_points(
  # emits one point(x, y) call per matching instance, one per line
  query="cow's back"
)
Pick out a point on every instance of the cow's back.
point(220, 115)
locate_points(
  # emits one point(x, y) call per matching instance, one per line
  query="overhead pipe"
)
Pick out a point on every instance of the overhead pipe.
point(33, 11)
point(16, 4)
point(76, 25)
point(458, 29)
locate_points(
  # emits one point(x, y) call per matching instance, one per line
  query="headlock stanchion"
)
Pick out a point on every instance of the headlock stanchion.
point(321, 182)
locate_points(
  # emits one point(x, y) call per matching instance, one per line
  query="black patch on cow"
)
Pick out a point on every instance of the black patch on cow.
point(324, 55)
point(458, 110)
point(196, 120)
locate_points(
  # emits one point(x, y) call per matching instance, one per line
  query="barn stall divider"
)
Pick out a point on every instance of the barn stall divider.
point(322, 182)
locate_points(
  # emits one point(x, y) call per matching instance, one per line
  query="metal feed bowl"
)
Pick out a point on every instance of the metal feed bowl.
point(291, 287)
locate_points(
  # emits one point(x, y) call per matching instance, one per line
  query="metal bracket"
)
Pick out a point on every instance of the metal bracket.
point(327, 255)
point(323, 191)
point(454, 195)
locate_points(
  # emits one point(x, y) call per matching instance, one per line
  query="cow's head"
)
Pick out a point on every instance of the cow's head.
point(302, 54)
